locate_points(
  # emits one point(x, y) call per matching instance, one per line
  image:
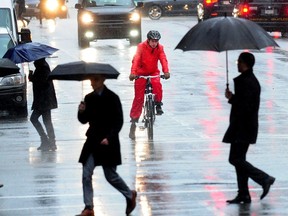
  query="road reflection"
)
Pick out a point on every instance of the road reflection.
point(150, 174)
point(45, 181)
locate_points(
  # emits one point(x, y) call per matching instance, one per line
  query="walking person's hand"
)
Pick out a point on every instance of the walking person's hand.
point(228, 93)
point(104, 142)
point(82, 106)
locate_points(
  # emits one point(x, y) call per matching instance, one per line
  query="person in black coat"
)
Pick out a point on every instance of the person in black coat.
point(44, 99)
point(102, 109)
point(243, 129)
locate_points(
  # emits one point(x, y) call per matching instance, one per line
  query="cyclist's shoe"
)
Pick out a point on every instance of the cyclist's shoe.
point(132, 131)
point(159, 110)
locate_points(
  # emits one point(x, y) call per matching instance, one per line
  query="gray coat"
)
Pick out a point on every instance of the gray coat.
point(243, 127)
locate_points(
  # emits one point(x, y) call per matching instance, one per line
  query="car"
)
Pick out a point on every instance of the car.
point(108, 19)
point(13, 87)
point(31, 9)
point(214, 8)
point(155, 9)
point(272, 15)
point(50, 9)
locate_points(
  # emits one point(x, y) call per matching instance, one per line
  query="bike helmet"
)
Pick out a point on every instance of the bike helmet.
point(153, 35)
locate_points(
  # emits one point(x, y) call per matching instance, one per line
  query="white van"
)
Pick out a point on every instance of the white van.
point(13, 86)
point(8, 19)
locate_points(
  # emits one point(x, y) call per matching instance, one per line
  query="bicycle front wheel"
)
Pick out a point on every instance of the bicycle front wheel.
point(150, 118)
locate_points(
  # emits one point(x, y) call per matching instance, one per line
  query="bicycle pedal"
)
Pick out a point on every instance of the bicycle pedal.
point(142, 128)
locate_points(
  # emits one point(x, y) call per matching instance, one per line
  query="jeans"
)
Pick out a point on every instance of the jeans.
point(111, 176)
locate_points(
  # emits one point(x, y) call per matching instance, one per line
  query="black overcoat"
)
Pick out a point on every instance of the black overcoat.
point(44, 96)
point(243, 127)
point(105, 117)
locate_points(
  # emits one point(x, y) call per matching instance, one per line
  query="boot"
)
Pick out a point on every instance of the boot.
point(132, 131)
point(44, 146)
point(52, 144)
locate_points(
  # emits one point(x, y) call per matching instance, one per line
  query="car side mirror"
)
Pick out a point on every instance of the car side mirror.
point(140, 4)
point(78, 6)
point(25, 35)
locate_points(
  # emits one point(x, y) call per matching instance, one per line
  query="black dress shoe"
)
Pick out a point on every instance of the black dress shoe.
point(240, 199)
point(131, 204)
point(266, 186)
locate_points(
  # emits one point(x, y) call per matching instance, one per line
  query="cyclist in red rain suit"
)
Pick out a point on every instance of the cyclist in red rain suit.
point(145, 62)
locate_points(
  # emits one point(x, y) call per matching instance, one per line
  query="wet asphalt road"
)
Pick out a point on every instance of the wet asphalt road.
point(184, 170)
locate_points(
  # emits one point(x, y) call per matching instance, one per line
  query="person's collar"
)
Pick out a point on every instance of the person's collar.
point(100, 92)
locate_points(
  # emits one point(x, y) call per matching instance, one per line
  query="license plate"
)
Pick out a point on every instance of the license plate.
point(269, 12)
point(226, 2)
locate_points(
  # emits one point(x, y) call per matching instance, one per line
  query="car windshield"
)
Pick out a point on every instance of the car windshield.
point(5, 18)
point(5, 43)
point(269, 1)
point(32, 1)
point(110, 3)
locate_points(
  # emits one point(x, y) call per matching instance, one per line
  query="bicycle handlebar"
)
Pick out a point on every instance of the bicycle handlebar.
point(149, 77)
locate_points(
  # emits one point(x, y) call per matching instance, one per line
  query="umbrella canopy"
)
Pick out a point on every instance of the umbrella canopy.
point(81, 70)
point(226, 33)
point(7, 67)
point(28, 52)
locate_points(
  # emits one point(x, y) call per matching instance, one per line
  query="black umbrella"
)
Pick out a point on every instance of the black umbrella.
point(7, 67)
point(226, 33)
point(29, 52)
point(81, 70)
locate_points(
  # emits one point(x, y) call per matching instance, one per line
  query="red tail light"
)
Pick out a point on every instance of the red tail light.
point(245, 9)
point(285, 10)
point(210, 1)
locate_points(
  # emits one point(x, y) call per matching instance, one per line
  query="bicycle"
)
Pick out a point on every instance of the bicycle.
point(149, 105)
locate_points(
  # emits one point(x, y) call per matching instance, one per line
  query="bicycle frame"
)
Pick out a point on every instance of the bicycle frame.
point(149, 105)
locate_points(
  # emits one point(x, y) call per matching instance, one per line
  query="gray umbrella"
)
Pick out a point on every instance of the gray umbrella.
point(226, 33)
point(7, 67)
point(81, 70)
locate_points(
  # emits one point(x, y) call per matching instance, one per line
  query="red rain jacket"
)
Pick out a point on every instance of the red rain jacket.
point(145, 61)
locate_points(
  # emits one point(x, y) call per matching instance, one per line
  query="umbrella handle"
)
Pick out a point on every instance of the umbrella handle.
point(227, 82)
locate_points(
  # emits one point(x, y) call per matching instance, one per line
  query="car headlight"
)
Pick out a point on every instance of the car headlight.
point(235, 12)
point(52, 5)
point(63, 8)
point(14, 79)
point(134, 33)
point(135, 17)
point(86, 18)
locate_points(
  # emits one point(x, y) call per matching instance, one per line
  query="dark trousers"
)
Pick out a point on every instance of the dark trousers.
point(46, 116)
point(244, 170)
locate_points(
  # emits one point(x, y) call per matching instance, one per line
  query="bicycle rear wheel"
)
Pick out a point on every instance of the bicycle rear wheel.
point(150, 118)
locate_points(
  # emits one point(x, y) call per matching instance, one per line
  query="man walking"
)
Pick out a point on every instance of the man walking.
point(102, 109)
point(243, 129)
